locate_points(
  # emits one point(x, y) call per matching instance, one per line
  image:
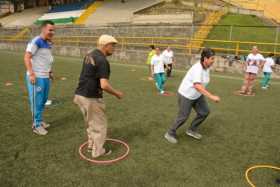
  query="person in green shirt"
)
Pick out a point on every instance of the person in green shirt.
point(149, 58)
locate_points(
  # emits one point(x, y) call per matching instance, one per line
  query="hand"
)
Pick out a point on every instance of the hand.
point(215, 98)
point(32, 78)
point(51, 76)
point(119, 94)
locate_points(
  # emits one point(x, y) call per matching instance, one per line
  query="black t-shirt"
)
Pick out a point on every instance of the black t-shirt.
point(95, 67)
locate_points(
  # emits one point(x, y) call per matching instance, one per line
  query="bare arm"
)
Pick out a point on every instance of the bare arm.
point(28, 66)
point(199, 87)
point(152, 69)
point(106, 86)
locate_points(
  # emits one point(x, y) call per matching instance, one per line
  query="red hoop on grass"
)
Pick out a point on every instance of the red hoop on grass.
point(106, 162)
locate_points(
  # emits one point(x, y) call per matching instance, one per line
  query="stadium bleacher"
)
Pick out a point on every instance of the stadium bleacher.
point(71, 7)
point(66, 13)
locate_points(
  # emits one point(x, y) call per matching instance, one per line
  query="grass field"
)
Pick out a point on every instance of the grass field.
point(257, 32)
point(240, 132)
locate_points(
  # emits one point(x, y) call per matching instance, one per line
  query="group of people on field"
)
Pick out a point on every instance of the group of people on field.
point(94, 80)
point(256, 63)
point(160, 65)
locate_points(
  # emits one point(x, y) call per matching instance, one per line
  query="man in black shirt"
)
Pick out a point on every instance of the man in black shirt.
point(94, 79)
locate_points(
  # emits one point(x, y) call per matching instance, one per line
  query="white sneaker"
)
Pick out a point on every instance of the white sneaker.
point(194, 134)
point(45, 125)
point(105, 153)
point(40, 131)
point(162, 92)
point(170, 138)
point(48, 103)
point(264, 88)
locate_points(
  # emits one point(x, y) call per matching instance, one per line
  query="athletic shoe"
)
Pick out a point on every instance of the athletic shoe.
point(89, 148)
point(170, 138)
point(162, 92)
point(40, 131)
point(194, 134)
point(264, 88)
point(45, 125)
point(106, 153)
point(48, 103)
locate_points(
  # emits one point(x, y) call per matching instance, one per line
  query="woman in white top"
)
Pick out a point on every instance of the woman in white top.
point(191, 94)
point(267, 71)
point(168, 59)
point(253, 63)
point(157, 69)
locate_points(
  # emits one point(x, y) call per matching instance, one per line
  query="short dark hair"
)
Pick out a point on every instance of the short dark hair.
point(152, 46)
point(47, 22)
point(270, 54)
point(207, 52)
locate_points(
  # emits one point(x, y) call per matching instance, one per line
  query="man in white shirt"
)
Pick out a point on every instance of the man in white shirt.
point(267, 71)
point(191, 94)
point(168, 59)
point(253, 63)
point(157, 69)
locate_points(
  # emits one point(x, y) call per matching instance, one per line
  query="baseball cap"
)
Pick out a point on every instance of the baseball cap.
point(106, 39)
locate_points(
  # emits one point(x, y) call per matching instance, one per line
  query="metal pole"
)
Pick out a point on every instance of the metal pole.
point(192, 34)
point(276, 39)
point(230, 34)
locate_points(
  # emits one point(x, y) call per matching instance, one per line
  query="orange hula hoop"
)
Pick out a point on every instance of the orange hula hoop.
point(106, 162)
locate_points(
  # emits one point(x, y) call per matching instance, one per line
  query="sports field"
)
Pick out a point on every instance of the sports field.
point(239, 133)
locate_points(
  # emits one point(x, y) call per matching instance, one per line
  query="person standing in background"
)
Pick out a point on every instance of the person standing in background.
point(148, 62)
point(38, 61)
point(267, 71)
point(168, 59)
point(253, 63)
point(157, 69)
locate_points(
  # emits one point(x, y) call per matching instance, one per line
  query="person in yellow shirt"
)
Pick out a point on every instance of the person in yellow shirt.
point(149, 59)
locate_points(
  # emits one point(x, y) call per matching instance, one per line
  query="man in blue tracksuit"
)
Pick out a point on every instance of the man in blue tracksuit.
point(38, 61)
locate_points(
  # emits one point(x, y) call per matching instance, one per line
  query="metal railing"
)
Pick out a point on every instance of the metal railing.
point(179, 43)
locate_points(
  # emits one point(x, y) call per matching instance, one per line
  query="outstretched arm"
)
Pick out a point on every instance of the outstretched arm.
point(199, 87)
point(106, 86)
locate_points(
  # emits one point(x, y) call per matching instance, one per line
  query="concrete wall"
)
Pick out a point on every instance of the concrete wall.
point(168, 18)
point(227, 8)
point(134, 55)
point(148, 30)
point(6, 7)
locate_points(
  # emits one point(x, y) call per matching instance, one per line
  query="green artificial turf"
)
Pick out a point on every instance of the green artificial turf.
point(247, 28)
point(239, 133)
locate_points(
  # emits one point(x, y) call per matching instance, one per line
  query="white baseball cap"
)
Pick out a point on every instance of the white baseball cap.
point(106, 39)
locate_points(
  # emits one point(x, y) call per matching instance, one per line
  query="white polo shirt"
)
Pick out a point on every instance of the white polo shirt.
point(269, 62)
point(158, 64)
point(167, 56)
point(196, 74)
point(253, 62)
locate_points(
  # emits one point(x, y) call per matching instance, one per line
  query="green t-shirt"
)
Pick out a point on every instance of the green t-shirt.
point(150, 55)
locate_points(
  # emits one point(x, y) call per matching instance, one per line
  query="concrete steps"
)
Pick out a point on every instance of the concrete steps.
point(89, 11)
point(198, 39)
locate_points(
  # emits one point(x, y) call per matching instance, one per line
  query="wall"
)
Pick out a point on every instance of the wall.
point(138, 56)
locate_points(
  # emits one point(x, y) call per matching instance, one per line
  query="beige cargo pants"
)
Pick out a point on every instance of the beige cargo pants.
point(93, 111)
